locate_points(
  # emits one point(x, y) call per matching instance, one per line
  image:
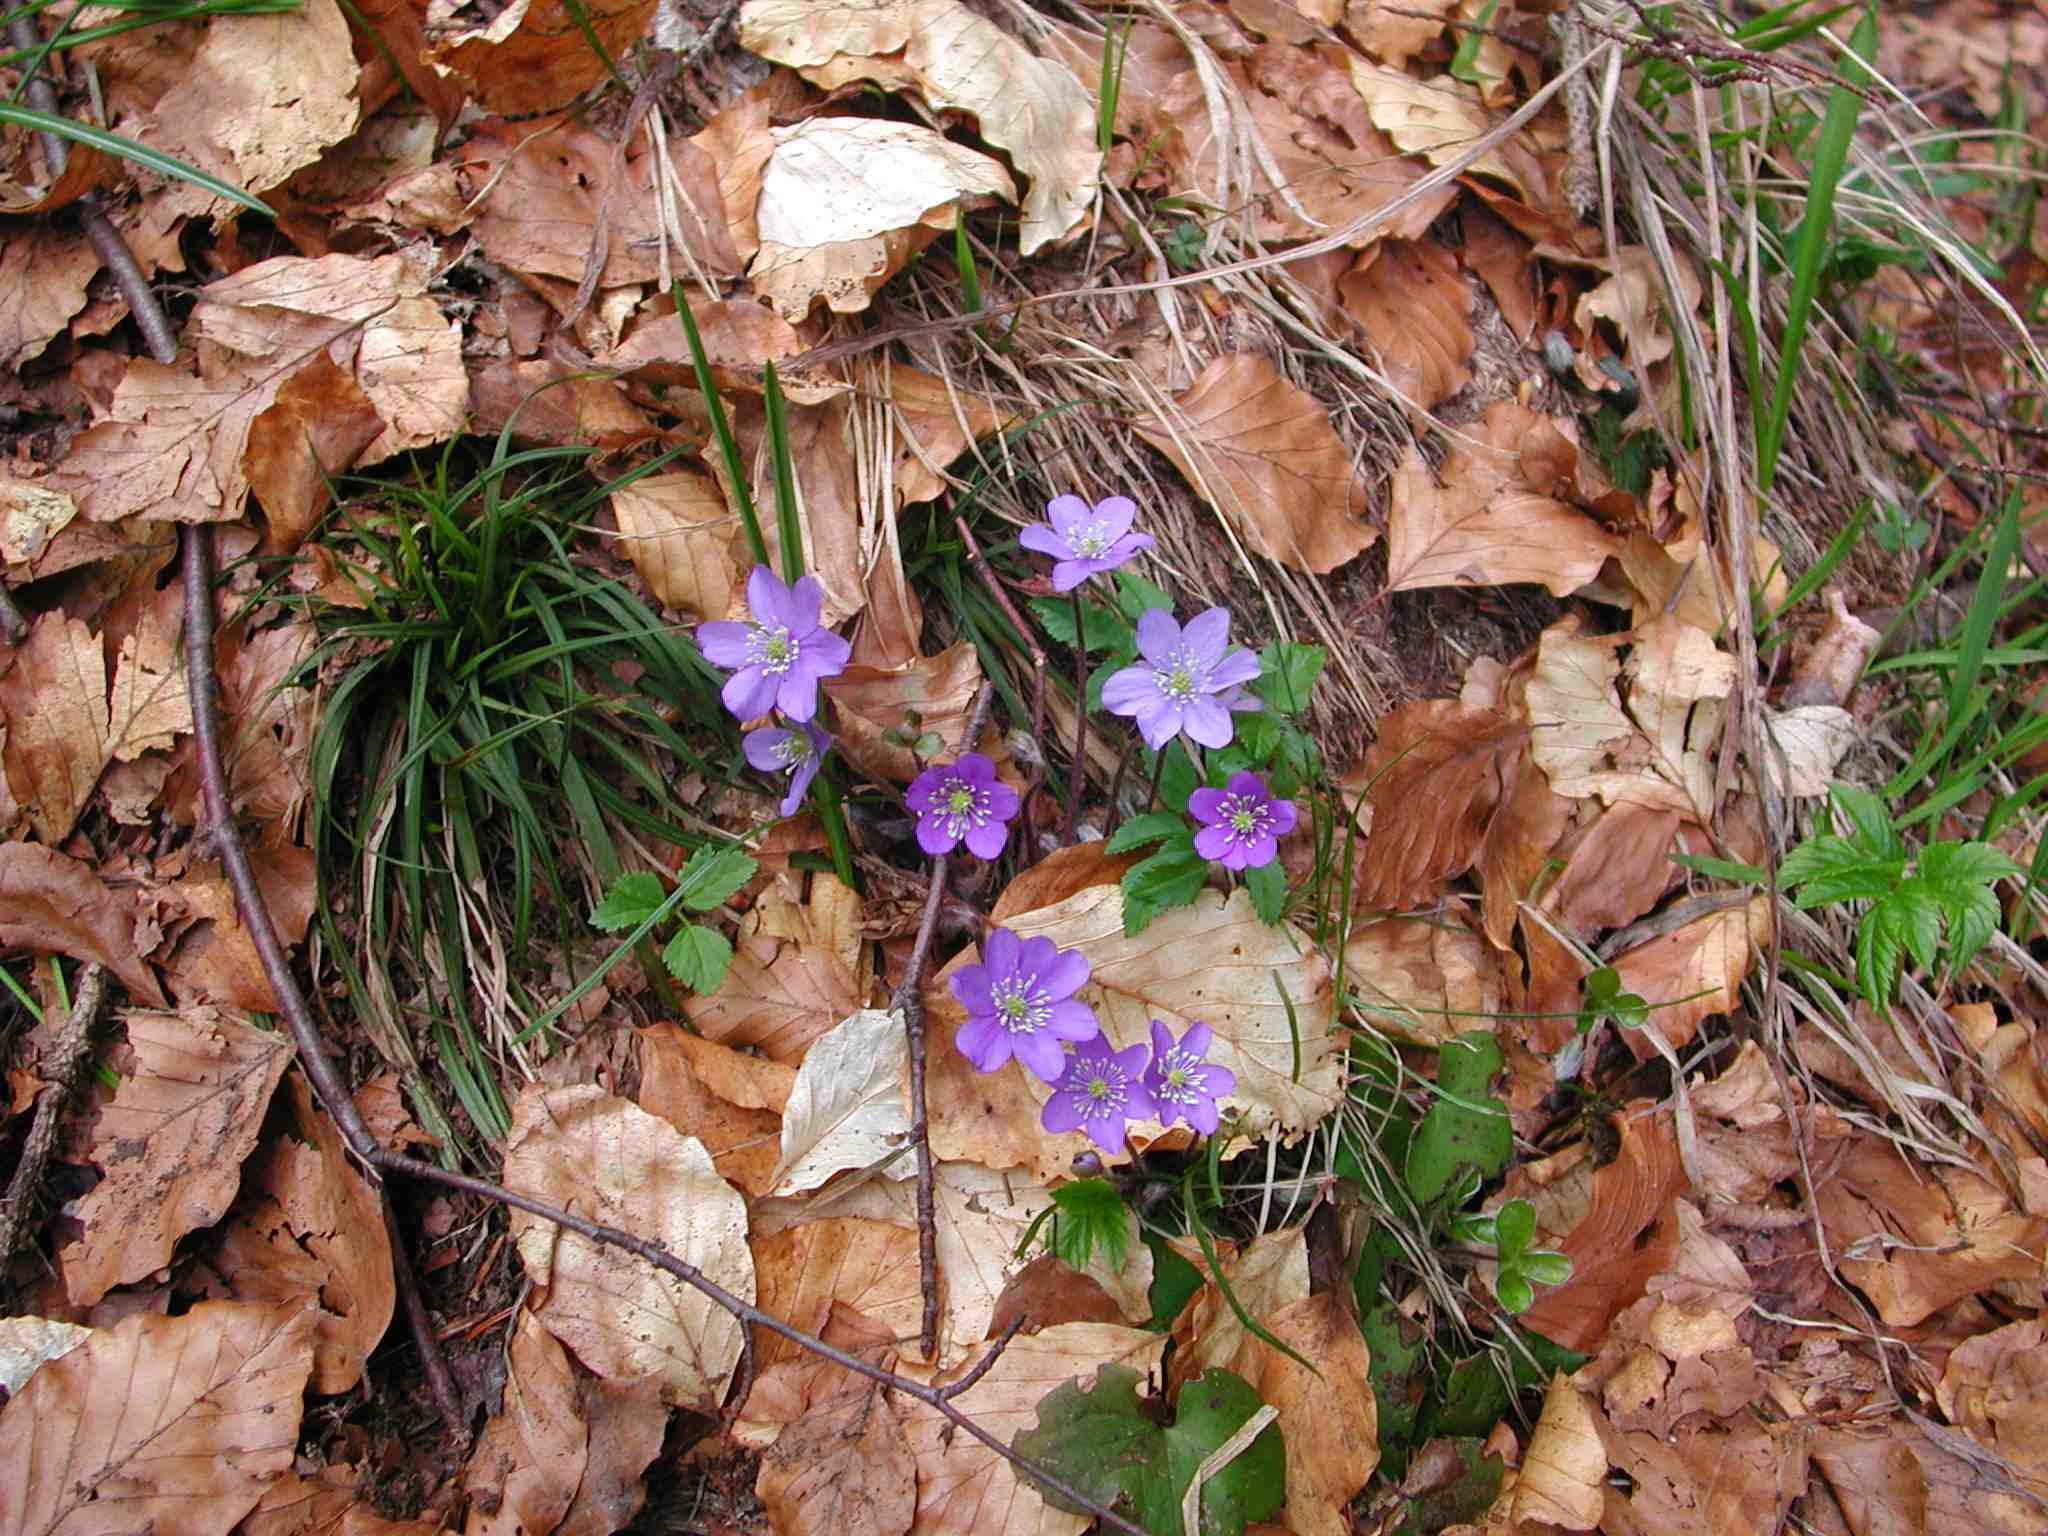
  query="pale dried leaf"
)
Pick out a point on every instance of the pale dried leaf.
point(679, 534)
point(1492, 512)
point(31, 515)
point(1422, 979)
point(1264, 454)
point(524, 1472)
point(845, 202)
point(532, 56)
point(170, 1146)
point(1032, 107)
point(27, 1342)
point(718, 1095)
point(1813, 738)
point(933, 693)
point(966, 1489)
point(1633, 299)
point(1564, 1473)
point(843, 1469)
point(849, 1107)
point(1439, 118)
point(839, 1264)
point(612, 1162)
point(161, 1424)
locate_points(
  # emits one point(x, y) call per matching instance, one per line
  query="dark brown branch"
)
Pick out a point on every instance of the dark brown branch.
point(218, 831)
point(909, 1001)
point(326, 1080)
point(60, 1074)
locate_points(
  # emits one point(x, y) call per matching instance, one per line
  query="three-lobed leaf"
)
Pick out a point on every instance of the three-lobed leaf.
point(1088, 1212)
point(712, 876)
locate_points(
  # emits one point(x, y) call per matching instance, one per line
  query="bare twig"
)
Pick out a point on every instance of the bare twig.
point(994, 583)
point(909, 1000)
point(60, 1074)
point(218, 830)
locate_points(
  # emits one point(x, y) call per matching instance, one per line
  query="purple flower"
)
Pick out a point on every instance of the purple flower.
point(1020, 1002)
point(1100, 1092)
point(962, 802)
point(1085, 540)
point(1241, 825)
point(780, 654)
point(1189, 680)
point(776, 749)
point(1182, 1085)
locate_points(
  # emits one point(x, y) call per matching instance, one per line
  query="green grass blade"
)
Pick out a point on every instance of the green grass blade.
point(128, 149)
point(787, 532)
point(1831, 154)
point(721, 426)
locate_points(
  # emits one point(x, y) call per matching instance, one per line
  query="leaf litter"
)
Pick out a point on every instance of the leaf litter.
point(1805, 1273)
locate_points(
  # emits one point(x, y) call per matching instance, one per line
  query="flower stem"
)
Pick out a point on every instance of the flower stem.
point(1080, 769)
point(1158, 772)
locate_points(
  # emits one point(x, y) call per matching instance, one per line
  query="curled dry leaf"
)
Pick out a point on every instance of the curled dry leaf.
point(1264, 454)
point(1422, 979)
point(1633, 300)
point(627, 1422)
point(1492, 513)
point(796, 972)
point(611, 1161)
point(845, 202)
point(309, 1225)
point(1328, 1418)
point(679, 533)
point(721, 1096)
point(45, 275)
point(533, 56)
point(1434, 776)
point(167, 1424)
point(1813, 739)
point(1992, 1389)
point(881, 713)
point(52, 904)
point(843, 1469)
point(966, 1489)
point(1439, 119)
point(527, 1465)
point(1693, 972)
point(849, 1106)
point(170, 1146)
point(1415, 307)
point(1564, 1473)
point(1658, 753)
point(1033, 108)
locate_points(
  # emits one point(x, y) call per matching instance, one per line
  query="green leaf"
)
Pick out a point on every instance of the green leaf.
point(129, 149)
point(1258, 733)
point(1603, 998)
point(631, 900)
point(1287, 674)
point(1514, 1225)
point(1085, 1213)
point(1137, 596)
point(1172, 877)
point(1397, 1351)
point(1102, 1442)
point(1140, 830)
point(712, 875)
point(1514, 1293)
point(1180, 779)
point(1722, 869)
point(1880, 948)
point(698, 957)
point(1544, 1266)
point(1870, 822)
point(1465, 1129)
point(1952, 867)
point(1106, 628)
point(1267, 886)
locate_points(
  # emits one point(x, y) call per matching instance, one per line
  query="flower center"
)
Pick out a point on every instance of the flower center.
point(772, 647)
point(962, 806)
point(1089, 542)
point(792, 749)
point(1247, 818)
point(1178, 1078)
point(1104, 1092)
point(1177, 679)
point(1020, 1012)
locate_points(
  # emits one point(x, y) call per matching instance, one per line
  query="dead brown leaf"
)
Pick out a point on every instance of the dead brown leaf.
point(1434, 776)
point(1693, 972)
point(323, 1504)
point(527, 1464)
point(1415, 307)
point(627, 1420)
point(835, 1265)
point(881, 713)
point(1494, 512)
point(797, 970)
point(1422, 979)
point(170, 1146)
point(843, 1469)
point(1328, 1419)
point(691, 1082)
point(173, 1425)
point(44, 275)
point(1264, 454)
point(1268, 1276)
point(612, 1162)
point(680, 536)
point(51, 904)
point(1564, 1471)
point(309, 1225)
point(533, 56)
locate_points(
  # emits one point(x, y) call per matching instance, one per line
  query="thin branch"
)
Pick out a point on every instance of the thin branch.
point(909, 1000)
point(996, 590)
point(60, 1074)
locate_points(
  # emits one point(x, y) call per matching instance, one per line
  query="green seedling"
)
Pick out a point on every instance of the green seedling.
point(697, 955)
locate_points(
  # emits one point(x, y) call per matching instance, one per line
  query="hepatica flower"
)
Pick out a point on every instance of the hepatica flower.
point(1020, 1002)
point(1083, 540)
point(1183, 1086)
point(777, 749)
point(1100, 1093)
point(1189, 680)
point(962, 802)
point(778, 654)
point(1241, 824)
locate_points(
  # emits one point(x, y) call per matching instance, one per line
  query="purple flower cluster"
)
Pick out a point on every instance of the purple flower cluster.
point(778, 656)
point(1241, 824)
point(1084, 541)
point(1020, 1004)
point(962, 802)
point(1191, 680)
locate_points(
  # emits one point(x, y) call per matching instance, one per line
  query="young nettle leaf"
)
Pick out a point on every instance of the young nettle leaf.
point(1086, 1213)
point(631, 900)
point(1103, 1442)
point(711, 877)
point(698, 957)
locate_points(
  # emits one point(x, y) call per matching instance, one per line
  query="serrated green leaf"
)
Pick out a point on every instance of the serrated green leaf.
point(1259, 734)
point(1104, 625)
point(1088, 1212)
point(1973, 916)
point(1871, 882)
point(712, 875)
point(1140, 830)
point(1267, 886)
point(1135, 596)
point(1172, 877)
point(1287, 675)
point(1880, 947)
point(1956, 866)
point(631, 900)
point(1916, 913)
point(698, 957)
point(1872, 824)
